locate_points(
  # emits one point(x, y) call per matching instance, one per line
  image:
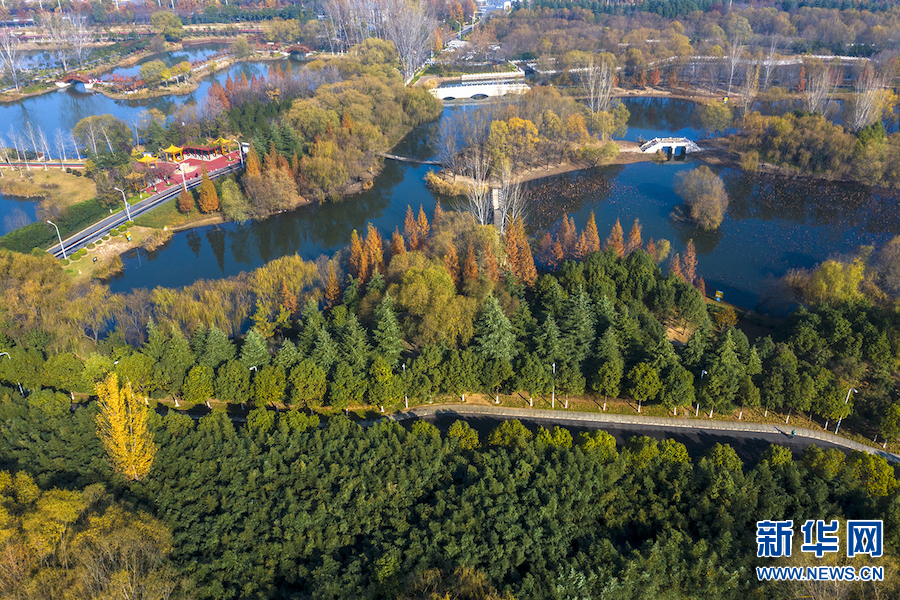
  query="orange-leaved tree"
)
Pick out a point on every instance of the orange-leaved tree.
point(209, 199)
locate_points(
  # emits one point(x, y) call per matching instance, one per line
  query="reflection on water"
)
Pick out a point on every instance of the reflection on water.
point(773, 224)
point(15, 213)
point(63, 109)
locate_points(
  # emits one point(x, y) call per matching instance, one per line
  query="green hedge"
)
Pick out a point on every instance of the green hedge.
point(42, 235)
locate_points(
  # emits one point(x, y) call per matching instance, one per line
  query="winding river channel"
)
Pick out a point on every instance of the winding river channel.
point(773, 224)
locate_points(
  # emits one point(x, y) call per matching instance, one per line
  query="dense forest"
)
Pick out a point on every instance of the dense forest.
point(285, 508)
point(451, 308)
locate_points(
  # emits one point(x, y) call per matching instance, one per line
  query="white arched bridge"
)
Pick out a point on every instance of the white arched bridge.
point(670, 145)
point(485, 89)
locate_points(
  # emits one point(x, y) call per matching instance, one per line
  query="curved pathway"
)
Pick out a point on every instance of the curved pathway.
point(694, 432)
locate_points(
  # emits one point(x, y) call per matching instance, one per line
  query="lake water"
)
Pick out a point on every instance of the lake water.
point(772, 225)
point(15, 213)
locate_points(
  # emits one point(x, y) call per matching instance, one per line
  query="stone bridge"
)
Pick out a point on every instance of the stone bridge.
point(670, 145)
point(484, 89)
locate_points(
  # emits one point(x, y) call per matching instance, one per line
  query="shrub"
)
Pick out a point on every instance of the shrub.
point(64, 262)
point(90, 246)
point(114, 232)
point(704, 193)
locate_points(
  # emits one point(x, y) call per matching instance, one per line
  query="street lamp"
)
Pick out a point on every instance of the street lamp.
point(846, 400)
point(21, 391)
point(553, 391)
point(60, 239)
point(405, 388)
point(697, 412)
point(240, 151)
point(127, 214)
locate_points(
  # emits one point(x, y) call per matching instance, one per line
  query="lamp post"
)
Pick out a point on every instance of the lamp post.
point(405, 388)
point(846, 400)
point(60, 239)
point(21, 391)
point(124, 199)
point(240, 151)
point(553, 389)
point(702, 373)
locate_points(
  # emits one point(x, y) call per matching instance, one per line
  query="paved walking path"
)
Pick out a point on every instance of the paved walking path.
point(729, 428)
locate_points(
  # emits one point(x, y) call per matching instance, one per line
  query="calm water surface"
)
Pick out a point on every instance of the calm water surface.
point(772, 225)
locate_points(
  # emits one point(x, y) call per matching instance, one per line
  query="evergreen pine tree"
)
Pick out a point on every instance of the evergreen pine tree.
point(643, 383)
point(268, 386)
point(177, 359)
point(578, 326)
point(719, 386)
point(533, 376)
point(494, 337)
point(549, 344)
point(678, 388)
point(345, 387)
point(313, 321)
point(287, 356)
point(354, 346)
point(198, 341)
point(254, 352)
point(606, 313)
point(325, 351)
point(198, 386)
point(308, 383)
point(217, 348)
point(387, 335)
point(612, 367)
point(233, 382)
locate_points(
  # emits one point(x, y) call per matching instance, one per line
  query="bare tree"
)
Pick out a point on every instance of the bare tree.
point(57, 28)
point(42, 139)
point(59, 140)
point(751, 87)
point(869, 98)
point(4, 154)
point(513, 201)
point(80, 37)
point(10, 55)
point(409, 24)
point(770, 60)
point(599, 79)
point(15, 139)
point(820, 87)
point(478, 191)
point(448, 143)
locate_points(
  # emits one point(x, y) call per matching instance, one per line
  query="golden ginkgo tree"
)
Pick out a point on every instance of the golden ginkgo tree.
point(122, 425)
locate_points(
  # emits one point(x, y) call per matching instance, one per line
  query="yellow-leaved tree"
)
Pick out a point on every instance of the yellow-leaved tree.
point(122, 425)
